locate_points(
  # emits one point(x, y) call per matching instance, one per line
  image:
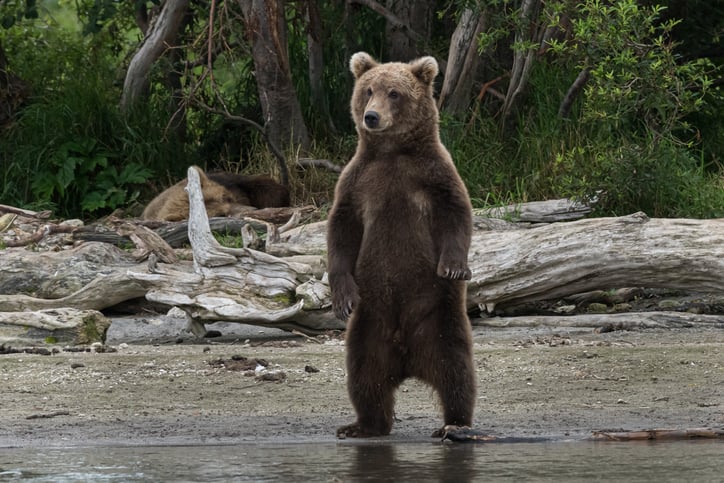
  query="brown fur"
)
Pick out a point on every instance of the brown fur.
point(398, 240)
point(225, 194)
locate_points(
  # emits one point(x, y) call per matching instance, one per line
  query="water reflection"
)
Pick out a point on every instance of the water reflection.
point(355, 461)
point(387, 462)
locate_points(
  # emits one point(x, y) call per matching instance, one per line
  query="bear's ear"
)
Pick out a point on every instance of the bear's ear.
point(425, 69)
point(360, 63)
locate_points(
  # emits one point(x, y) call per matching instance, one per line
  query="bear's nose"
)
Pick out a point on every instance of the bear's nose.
point(372, 119)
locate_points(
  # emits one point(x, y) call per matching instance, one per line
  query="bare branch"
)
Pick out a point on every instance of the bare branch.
point(281, 160)
point(572, 93)
point(391, 18)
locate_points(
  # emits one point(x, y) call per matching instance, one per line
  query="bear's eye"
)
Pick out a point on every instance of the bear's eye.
point(394, 94)
point(369, 92)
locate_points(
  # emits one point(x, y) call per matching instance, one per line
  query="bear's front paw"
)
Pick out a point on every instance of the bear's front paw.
point(345, 296)
point(453, 271)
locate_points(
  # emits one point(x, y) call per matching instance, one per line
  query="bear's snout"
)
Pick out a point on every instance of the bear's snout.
point(372, 119)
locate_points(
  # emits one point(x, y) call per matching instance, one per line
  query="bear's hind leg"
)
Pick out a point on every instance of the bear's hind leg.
point(373, 375)
point(456, 387)
point(375, 411)
point(453, 377)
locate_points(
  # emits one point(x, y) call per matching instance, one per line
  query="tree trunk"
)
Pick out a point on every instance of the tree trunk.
point(315, 52)
point(402, 38)
point(13, 91)
point(266, 30)
point(462, 62)
point(415, 15)
point(523, 57)
point(161, 37)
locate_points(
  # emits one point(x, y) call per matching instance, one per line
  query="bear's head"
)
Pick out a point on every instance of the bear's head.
point(394, 98)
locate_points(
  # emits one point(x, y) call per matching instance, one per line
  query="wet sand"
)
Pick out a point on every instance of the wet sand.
point(162, 390)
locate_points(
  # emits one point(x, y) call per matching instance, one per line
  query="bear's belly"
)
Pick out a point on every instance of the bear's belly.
point(395, 265)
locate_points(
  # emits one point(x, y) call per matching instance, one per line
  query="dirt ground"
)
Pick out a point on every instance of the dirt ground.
point(559, 384)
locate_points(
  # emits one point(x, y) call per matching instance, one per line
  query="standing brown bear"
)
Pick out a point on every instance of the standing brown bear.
point(398, 240)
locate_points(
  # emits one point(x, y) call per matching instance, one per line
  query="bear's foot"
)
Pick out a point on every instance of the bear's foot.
point(356, 431)
point(462, 434)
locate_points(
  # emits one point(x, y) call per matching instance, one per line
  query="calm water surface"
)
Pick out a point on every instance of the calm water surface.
point(701, 461)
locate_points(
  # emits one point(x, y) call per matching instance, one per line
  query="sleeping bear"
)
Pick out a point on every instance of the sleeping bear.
point(225, 194)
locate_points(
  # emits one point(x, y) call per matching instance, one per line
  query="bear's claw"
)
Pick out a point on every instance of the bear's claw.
point(463, 273)
point(355, 431)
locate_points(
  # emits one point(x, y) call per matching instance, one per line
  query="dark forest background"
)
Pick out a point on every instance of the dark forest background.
point(103, 103)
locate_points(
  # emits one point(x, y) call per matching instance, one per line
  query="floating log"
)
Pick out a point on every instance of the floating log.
point(658, 434)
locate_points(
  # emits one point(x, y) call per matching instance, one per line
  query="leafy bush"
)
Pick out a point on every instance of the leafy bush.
point(630, 141)
point(644, 134)
point(71, 149)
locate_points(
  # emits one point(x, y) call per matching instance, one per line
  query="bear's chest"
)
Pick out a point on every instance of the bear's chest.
point(389, 196)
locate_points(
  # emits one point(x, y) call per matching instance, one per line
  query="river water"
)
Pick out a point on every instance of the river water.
point(693, 461)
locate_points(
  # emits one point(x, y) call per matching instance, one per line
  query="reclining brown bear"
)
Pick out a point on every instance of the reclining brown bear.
point(225, 194)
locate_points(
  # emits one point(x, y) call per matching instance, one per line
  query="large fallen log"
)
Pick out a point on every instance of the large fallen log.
point(552, 261)
point(548, 262)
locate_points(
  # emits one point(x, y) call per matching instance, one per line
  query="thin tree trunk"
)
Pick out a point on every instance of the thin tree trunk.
point(415, 15)
point(529, 31)
point(462, 61)
point(393, 21)
point(161, 37)
point(565, 109)
point(267, 34)
point(316, 63)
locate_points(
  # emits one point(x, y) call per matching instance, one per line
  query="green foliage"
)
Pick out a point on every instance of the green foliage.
point(657, 178)
point(644, 134)
point(71, 149)
point(639, 147)
point(637, 82)
point(633, 141)
point(16, 11)
point(79, 172)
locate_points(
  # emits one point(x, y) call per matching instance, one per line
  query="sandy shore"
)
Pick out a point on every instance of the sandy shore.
point(560, 384)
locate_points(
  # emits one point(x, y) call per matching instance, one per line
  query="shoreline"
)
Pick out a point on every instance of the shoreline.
point(559, 384)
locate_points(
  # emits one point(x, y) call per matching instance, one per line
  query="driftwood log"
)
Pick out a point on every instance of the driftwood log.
point(285, 287)
point(240, 285)
point(64, 326)
point(560, 259)
point(540, 211)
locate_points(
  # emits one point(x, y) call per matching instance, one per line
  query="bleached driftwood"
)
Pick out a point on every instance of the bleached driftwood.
point(232, 284)
point(64, 325)
point(284, 287)
point(540, 211)
point(90, 276)
point(617, 321)
point(552, 261)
